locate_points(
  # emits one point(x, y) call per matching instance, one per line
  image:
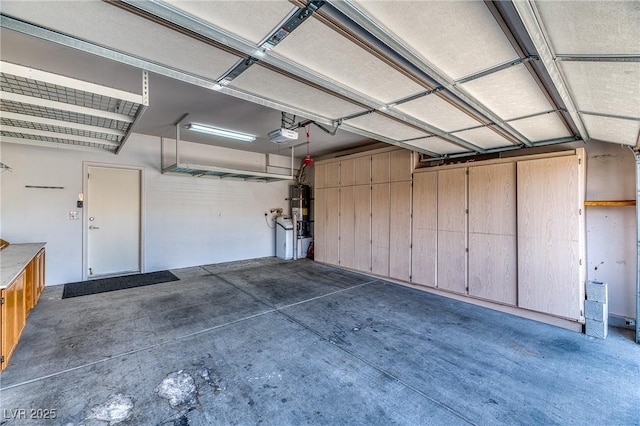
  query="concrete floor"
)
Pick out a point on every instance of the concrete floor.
point(276, 342)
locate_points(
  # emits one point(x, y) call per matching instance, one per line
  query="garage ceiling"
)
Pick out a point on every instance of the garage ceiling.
point(444, 78)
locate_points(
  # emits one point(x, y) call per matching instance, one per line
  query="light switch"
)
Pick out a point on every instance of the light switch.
point(73, 215)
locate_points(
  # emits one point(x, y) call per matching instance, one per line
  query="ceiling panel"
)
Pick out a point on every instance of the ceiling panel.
point(605, 87)
point(272, 85)
point(434, 110)
point(437, 145)
point(103, 24)
point(321, 49)
point(612, 129)
point(458, 37)
point(484, 137)
point(510, 93)
point(604, 27)
point(251, 20)
point(542, 127)
point(392, 129)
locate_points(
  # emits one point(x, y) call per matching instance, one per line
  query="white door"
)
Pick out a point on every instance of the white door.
point(113, 211)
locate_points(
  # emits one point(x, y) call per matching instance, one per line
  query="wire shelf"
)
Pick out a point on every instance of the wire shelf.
point(58, 141)
point(84, 114)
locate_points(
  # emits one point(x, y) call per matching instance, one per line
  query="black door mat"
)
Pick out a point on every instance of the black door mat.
point(104, 285)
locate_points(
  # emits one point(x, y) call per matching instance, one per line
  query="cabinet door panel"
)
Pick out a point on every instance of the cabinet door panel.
point(347, 222)
point(332, 177)
point(362, 240)
point(493, 267)
point(347, 172)
point(492, 199)
point(400, 231)
point(452, 226)
point(319, 176)
point(320, 225)
point(332, 230)
point(380, 168)
point(363, 170)
point(452, 202)
point(492, 232)
point(380, 229)
point(400, 166)
point(452, 271)
point(424, 236)
point(549, 236)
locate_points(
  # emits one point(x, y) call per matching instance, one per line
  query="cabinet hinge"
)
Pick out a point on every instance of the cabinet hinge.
point(580, 212)
point(466, 211)
point(1, 300)
point(579, 160)
point(2, 359)
point(466, 250)
point(580, 262)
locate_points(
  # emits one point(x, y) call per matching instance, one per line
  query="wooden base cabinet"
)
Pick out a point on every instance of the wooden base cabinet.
point(14, 315)
point(18, 298)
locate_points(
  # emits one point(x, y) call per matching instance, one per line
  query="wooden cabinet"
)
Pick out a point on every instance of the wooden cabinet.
point(400, 230)
point(363, 170)
point(319, 224)
point(380, 168)
point(380, 197)
point(332, 178)
point(452, 226)
point(348, 172)
point(23, 269)
point(39, 274)
point(362, 228)
point(14, 315)
point(320, 176)
point(505, 231)
point(492, 233)
point(550, 235)
point(332, 229)
point(424, 251)
point(353, 225)
point(400, 165)
point(347, 223)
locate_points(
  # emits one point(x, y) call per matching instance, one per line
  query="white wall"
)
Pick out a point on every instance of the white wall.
point(189, 221)
point(611, 231)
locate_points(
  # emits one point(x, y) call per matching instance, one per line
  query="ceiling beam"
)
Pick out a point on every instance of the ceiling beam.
point(528, 15)
point(361, 19)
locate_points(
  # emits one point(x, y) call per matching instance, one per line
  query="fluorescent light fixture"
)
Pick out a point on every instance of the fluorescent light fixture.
point(223, 133)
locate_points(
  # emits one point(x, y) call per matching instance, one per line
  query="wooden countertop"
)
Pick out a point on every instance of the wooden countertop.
point(14, 259)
